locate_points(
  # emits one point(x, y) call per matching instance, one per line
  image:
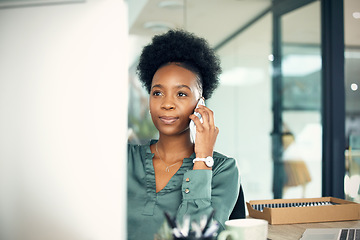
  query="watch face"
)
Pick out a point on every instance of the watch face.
point(209, 161)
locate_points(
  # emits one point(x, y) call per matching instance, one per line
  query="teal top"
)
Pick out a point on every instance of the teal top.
point(189, 192)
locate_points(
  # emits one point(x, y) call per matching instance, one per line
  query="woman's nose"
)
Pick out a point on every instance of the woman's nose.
point(168, 104)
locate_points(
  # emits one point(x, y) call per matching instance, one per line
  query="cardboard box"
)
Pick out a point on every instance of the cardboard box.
point(288, 211)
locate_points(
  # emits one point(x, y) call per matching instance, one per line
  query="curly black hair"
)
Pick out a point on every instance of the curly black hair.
point(180, 46)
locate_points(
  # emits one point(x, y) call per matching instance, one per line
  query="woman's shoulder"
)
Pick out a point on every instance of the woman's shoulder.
point(139, 150)
point(221, 157)
point(139, 146)
point(135, 147)
point(222, 161)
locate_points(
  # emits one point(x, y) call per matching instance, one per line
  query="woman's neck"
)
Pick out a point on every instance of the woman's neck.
point(172, 148)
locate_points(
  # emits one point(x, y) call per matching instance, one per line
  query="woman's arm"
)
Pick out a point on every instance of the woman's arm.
point(205, 190)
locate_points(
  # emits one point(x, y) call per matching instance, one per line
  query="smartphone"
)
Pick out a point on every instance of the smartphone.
point(192, 124)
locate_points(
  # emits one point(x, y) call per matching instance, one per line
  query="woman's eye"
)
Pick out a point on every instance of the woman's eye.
point(181, 94)
point(156, 93)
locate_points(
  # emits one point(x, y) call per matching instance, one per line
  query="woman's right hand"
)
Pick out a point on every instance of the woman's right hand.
point(206, 132)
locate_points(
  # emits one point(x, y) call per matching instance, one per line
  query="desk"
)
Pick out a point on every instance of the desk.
point(294, 231)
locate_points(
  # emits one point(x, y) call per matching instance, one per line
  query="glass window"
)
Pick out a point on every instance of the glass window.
point(243, 107)
point(301, 102)
point(352, 98)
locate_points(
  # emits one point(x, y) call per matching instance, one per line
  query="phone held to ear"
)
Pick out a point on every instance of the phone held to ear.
point(192, 124)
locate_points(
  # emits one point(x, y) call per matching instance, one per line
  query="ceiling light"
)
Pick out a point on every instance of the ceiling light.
point(239, 76)
point(354, 86)
point(356, 15)
point(158, 26)
point(30, 3)
point(271, 58)
point(171, 4)
point(352, 54)
point(309, 64)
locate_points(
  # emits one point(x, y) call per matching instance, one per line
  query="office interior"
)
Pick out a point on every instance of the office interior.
point(288, 104)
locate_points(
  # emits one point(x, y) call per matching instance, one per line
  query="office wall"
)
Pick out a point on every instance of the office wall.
point(63, 121)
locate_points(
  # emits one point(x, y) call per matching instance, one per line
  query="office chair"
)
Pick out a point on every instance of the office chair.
point(239, 209)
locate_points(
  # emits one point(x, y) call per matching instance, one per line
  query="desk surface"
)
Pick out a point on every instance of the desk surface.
point(294, 231)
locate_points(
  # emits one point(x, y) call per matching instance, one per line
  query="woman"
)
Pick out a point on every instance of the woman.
point(175, 174)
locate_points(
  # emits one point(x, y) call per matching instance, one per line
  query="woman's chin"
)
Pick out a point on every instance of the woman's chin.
point(175, 133)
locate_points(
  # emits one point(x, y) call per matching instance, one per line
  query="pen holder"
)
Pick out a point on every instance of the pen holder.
point(204, 229)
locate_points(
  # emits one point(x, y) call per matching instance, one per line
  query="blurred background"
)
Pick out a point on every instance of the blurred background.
point(271, 103)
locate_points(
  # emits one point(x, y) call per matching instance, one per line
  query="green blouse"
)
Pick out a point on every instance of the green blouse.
point(189, 192)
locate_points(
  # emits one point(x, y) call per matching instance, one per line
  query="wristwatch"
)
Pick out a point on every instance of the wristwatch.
point(209, 161)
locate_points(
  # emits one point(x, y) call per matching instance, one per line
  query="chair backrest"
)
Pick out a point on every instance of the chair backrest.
point(239, 209)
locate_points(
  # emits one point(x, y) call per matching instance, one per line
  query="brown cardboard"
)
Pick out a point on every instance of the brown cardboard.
point(343, 211)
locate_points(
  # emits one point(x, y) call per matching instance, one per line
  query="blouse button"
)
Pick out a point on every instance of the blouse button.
point(187, 190)
point(187, 179)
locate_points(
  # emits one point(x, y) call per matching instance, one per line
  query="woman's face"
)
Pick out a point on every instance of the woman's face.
point(173, 97)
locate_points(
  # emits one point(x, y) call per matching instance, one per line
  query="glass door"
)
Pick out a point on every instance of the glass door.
point(297, 127)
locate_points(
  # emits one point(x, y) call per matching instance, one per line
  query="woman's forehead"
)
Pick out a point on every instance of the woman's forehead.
point(174, 74)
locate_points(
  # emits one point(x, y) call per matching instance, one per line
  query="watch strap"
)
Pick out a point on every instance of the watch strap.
point(209, 161)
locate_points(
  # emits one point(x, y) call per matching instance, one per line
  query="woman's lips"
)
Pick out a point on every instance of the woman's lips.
point(168, 120)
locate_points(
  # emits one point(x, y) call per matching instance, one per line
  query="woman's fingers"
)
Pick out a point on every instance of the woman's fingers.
point(210, 116)
point(207, 122)
point(207, 116)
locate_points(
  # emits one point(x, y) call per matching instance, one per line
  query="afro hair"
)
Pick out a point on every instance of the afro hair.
point(182, 47)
